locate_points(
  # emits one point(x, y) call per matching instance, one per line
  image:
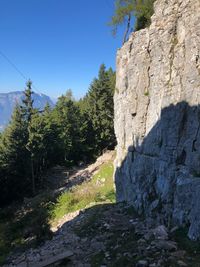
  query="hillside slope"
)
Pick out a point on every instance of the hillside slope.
point(89, 229)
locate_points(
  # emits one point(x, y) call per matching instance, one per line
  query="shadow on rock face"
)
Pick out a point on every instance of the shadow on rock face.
point(161, 176)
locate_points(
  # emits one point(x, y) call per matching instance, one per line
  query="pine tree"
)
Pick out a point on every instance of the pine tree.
point(100, 108)
point(14, 159)
point(44, 140)
point(28, 111)
point(87, 141)
point(27, 108)
point(51, 139)
point(67, 116)
point(68, 133)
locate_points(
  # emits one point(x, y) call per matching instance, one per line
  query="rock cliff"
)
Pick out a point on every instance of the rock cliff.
point(157, 116)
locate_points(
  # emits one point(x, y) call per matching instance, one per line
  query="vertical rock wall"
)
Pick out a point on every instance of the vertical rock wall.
point(157, 116)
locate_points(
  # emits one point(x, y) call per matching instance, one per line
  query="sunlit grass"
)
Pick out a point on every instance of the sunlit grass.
point(23, 228)
point(99, 189)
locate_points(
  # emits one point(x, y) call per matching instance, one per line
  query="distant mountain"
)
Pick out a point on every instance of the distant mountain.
point(9, 100)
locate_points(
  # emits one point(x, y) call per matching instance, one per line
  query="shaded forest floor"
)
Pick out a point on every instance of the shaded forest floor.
point(76, 222)
point(29, 224)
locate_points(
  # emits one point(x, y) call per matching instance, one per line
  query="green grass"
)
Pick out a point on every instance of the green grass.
point(99, 189)
point(24, 226)
point(97, 259)
point(191, 247)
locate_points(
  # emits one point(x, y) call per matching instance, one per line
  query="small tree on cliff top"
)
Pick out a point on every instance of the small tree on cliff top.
point(125, 10)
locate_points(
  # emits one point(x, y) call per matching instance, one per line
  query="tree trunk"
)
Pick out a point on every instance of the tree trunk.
point(127, 28)
point(32, 177)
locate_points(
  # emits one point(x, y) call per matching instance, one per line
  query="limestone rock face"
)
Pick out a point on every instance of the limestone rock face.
point(157, 116)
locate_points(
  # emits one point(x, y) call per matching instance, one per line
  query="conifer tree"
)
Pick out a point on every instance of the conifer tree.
point(70, 132)
point(100, 108)
point(28, 111)
point(126, 10)
point(87, 141)
point(67, 116)
point(14, 159)
point(27, 108)
point(51, 138)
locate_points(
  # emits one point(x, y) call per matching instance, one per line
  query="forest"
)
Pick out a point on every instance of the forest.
point(72, 132)
point(71, 193)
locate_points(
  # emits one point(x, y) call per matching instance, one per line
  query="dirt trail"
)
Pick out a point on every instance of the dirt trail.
point(108, 235)
point(104, 235)
point(61, 178)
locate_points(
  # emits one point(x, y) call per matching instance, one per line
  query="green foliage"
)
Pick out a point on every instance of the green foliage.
point(101, 108)
point(67, 117)
point(123, 8)
point(13, 159)
point(27, 108)
point(27, 225)
point(71, 132)
point(24, 226)
point(180, 235)
point(143, 12)
point(99, 189)
point(127, 10)
point(191, 247)
point(25, 150)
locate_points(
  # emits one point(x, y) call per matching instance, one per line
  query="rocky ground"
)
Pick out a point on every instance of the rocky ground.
point(106, 235)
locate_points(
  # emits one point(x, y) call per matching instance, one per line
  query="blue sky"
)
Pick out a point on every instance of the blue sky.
point(58, 44)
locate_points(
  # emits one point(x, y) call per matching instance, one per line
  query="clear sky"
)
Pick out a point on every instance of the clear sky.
point(58, 44)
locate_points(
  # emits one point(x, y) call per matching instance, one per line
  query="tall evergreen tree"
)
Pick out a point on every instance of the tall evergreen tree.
point(67, 116)
point(51, 138)
point(27, 108)
point(87, 141)
point(28, 112)
point(14, 159)
point(100, 108)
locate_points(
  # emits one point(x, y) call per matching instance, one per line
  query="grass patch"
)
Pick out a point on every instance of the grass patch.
point(24, 227)
point(97, 259)
point(191, 247)
point(28, 225)
point(99, 189)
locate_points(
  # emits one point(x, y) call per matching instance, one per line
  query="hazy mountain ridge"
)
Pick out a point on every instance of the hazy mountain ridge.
point(9, 100)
